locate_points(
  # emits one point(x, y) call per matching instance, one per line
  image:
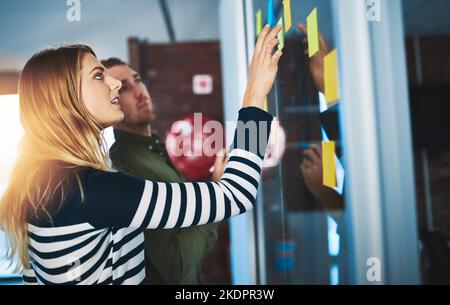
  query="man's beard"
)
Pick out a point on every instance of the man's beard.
point(149, 118)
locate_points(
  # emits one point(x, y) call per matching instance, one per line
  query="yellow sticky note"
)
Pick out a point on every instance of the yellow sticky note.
point(329, 164)
point(266, 105)
point(259, 23)
point(331, 77)
point(287, 15)
point(313, 33)
point(281, 35)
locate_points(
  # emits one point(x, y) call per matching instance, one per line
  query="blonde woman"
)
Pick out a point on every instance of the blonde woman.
point(68, 217)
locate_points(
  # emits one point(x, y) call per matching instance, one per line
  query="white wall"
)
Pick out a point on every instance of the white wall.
point(28, 26)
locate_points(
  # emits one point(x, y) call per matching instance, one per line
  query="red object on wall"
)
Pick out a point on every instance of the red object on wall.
point(185, 144)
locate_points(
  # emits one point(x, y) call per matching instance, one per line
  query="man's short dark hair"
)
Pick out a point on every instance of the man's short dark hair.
point(112, 62)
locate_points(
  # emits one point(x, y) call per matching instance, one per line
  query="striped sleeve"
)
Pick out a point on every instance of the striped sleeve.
point(118, 200)
point(29, 277)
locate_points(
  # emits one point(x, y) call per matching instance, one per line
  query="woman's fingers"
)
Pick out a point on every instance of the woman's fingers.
point(266, 41)
point(271, 38)
point(261, 39)
point(263, 68)
point(270, 46)
point(274, 33)
point(271, 42)
point(276, 57)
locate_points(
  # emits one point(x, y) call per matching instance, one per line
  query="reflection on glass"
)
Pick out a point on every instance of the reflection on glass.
point(303, 244)
point(427, 37)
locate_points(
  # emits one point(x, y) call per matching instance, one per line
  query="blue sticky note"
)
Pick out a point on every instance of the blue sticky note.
point(271, 14)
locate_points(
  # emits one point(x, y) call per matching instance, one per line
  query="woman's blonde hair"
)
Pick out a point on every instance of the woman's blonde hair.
point(60, 137)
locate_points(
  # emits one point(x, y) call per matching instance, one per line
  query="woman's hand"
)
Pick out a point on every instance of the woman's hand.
point(316, 62)
point(263, 68)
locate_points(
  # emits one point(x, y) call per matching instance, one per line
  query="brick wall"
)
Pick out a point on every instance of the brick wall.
point(169, 70)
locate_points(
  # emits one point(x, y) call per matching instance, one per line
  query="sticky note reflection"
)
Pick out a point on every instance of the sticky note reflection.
point(287, 15)
point(259, 23)
point(331, 77)
point(281, 35)
point(313, 33)
point(329, 164)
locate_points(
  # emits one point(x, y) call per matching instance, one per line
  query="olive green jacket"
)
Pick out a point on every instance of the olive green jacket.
point(171, 256)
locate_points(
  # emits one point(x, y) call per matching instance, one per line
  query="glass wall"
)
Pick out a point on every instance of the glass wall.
point(361, 229)
point(302, 244)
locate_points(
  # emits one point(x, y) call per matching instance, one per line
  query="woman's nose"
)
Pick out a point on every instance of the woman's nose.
point(115, 84)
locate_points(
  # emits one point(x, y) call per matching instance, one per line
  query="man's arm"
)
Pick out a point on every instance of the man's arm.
point(176, 254)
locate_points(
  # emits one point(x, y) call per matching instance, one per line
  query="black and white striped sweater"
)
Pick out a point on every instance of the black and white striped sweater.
point(100, 240)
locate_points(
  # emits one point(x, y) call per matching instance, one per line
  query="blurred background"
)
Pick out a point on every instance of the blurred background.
point(391, 203)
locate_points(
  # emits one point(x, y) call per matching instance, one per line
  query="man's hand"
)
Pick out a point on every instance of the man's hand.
point(219, 165)
point(311, 168)
point(316, 62)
